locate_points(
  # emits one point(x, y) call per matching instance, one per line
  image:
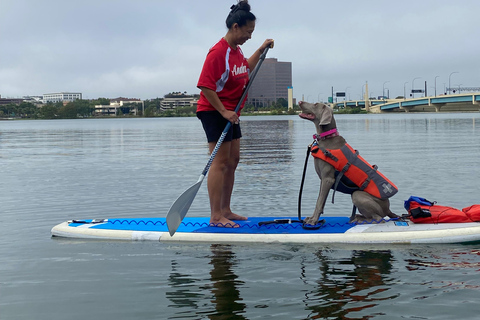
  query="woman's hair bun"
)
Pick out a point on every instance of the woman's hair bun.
point(239, 13)
point(241, 5)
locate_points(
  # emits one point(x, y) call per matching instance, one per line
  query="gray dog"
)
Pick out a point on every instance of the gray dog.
point(370, 207)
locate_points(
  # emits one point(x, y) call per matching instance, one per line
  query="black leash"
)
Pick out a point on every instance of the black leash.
point(306, 226)
point(309, 148)
point(300, 220)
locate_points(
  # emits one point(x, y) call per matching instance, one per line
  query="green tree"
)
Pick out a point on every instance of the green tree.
point(150, 111)
point(102, 101)
point(68, 111)
point(282, 102)
point(84, 107)
point(9, 110)
point(153, 106)
point(48, 111)
point(27, 110)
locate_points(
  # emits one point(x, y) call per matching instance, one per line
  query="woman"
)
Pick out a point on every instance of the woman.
point(223, 78)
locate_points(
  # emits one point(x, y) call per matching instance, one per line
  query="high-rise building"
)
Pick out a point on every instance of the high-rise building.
point(271, 83)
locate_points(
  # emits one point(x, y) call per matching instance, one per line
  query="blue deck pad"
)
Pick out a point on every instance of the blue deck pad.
point(201, 225)
point(332, 225)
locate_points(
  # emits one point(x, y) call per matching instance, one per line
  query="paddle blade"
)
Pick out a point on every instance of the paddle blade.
point(180, 207)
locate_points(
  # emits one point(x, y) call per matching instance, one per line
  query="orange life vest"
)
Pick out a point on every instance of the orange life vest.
point(350, 164)
point(423, 211)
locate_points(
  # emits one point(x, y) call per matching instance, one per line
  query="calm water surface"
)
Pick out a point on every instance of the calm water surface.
point(52, 171)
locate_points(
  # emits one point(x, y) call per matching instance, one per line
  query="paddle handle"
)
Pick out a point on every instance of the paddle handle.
point(237, 108)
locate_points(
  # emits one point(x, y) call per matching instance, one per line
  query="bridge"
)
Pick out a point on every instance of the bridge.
point(454, 102)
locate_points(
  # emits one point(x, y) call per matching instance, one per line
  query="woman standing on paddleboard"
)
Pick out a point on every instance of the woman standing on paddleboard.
point(224, 76)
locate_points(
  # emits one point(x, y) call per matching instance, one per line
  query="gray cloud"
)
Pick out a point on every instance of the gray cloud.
point(148, 48)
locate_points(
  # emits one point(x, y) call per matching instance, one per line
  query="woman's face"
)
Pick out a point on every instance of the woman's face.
point(244, 33)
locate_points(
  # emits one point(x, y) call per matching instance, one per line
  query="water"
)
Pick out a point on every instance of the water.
point(52, 171)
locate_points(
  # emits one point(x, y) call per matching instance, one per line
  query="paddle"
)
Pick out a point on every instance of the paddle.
point(180, 207)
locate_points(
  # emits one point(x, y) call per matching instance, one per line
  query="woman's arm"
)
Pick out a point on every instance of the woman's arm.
point(253, 60)
point(214, 100)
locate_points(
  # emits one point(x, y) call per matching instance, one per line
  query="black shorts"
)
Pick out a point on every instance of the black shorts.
point(214, 124)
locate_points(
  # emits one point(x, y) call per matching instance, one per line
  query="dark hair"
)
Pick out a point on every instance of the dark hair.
point(239, 13)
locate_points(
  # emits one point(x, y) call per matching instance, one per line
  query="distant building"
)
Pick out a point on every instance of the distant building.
point(271, 83)
point(4, 101)
point(33, 99)
point(172, 101)
point(125, 105)
point(61, 97)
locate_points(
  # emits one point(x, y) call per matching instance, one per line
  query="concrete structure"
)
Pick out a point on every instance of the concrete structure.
point(123, 104)
point(4, 101)
point(446, 103)
point(61, 97)
point(33, 99)
point(271, 83)
point(290, 98)
point(365, 98)
point(173, 102)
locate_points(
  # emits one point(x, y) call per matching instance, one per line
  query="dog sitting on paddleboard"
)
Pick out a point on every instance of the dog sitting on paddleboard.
point(342, 169)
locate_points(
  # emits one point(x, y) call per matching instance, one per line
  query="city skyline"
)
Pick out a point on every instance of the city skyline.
point(146, 49)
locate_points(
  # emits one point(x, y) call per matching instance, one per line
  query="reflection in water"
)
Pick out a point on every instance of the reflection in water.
point(265, 168)
point(348, 285)
point(454, 260)
point(191, 293)
point(225, 283)
point(333, 283)
point(183, 295)
point(344, 287)
point(267, 141)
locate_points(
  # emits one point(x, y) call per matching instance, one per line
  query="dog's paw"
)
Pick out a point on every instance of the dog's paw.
point(311, 220)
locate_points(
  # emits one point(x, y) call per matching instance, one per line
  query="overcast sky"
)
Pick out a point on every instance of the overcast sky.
point(148, 48)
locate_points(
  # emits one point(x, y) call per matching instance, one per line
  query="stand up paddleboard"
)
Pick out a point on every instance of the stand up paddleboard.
point(271, 230)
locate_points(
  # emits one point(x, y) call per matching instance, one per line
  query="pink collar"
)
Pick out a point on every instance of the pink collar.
point(326, 135)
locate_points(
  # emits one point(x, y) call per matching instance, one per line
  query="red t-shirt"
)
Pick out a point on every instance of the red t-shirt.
point(226, 72)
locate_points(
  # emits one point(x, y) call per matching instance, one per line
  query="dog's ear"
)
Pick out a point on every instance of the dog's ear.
point(326, 115)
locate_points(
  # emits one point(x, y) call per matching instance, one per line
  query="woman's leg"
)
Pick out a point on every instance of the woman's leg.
point(229, 180)
point(221, 177)
point(216, 181)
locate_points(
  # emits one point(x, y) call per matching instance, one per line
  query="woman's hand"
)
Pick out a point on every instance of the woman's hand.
point(214, 100)
point(267, 44)
point(231, 116)
point(253, 60)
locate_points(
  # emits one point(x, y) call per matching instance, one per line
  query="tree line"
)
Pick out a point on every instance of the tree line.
point(86, 109)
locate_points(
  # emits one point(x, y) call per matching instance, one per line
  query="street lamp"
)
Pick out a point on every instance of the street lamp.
point(413, 95)
point(404, 92)
point(459, 88)
point(449, 80)
point(346, 93)
point(436, 85)
point(383, 90)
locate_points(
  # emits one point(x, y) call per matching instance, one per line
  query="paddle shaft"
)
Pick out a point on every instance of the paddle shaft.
point(237, 108)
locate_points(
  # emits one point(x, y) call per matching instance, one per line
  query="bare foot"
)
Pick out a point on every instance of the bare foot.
point(224, 223)
point(233, 216)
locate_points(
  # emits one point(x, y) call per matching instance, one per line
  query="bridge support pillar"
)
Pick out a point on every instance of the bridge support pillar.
point(438, 106)
point(407, 109)
point(367, 100)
